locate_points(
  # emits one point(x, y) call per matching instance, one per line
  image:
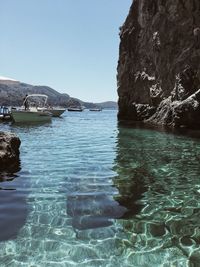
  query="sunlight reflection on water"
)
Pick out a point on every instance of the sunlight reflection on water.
point(92, 193)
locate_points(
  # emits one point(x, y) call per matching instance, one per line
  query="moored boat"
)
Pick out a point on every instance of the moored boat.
point(30, 112)
point(36, 109)
point(75, 109)
point(95, 109)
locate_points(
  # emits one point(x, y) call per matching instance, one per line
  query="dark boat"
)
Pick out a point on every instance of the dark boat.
point(75, 109)
point(95, 109)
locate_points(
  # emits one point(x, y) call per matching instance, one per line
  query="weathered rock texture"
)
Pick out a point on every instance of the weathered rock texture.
point(9, 152)
point(159, 63)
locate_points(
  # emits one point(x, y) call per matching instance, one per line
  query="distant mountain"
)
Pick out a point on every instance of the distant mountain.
point(103, 105)
point(108, 105)
point(12, 93)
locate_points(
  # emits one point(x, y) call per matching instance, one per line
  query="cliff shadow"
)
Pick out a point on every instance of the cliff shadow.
point(133, 175)
point(13, 205)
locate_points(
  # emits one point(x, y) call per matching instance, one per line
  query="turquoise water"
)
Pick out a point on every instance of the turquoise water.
point(92, 193)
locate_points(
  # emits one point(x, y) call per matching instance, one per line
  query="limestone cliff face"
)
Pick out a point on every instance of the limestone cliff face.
point(159, 63)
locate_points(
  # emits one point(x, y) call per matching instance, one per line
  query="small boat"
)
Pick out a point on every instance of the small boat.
point(32, 113)
point(95, 109)
point(75, 109)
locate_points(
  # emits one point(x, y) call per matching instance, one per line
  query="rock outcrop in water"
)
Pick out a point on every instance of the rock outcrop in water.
point(159, 63)
point(9, 152)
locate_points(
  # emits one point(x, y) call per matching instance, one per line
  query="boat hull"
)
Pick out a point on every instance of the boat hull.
point(75, 109)
point(95, 109)
point(56, 112)
point(30, 116)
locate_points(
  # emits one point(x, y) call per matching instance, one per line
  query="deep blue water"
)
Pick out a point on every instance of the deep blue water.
point(93, 193)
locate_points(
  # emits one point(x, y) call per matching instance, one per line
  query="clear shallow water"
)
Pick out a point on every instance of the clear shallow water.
point(91, 193)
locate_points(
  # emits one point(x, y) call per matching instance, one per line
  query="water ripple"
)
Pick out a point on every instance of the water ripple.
point(91, 193)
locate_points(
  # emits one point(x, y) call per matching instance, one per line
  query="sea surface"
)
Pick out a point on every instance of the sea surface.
point(93, 193)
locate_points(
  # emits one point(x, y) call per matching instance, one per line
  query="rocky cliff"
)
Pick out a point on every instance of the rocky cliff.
point(159, 63)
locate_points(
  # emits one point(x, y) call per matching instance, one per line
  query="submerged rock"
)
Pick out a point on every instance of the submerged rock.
point(9, 152)
point(159, 58)
point(89, 211)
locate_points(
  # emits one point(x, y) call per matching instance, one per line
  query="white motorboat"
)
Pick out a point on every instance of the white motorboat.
point(32, 113)
point(36, 110)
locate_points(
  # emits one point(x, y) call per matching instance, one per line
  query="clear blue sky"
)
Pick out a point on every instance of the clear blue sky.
point(69, 45)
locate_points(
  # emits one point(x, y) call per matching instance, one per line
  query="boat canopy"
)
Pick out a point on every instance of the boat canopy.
point(37, 95)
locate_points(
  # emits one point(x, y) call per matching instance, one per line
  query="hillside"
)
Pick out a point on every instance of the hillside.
point(12, 93)
point(103, 105)
point(108, 105)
